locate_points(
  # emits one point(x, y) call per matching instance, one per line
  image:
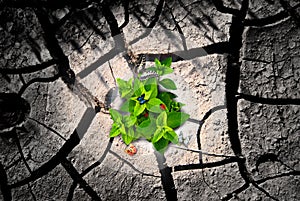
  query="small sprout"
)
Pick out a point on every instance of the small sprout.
point(151, 113)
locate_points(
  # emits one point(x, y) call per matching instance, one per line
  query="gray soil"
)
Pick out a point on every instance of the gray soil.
point(268, 133)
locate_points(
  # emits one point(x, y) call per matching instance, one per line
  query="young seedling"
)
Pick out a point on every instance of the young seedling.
point(148, 111)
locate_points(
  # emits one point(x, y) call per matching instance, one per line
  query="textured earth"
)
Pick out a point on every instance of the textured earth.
point(269, 133)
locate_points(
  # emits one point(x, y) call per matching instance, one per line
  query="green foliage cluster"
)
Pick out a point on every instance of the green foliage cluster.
point(149, 112)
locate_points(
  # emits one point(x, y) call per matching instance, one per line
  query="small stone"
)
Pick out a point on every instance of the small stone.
point(17, 45)
point(292, 44)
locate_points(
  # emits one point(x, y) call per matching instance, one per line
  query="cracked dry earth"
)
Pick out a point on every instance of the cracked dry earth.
point(269, 133)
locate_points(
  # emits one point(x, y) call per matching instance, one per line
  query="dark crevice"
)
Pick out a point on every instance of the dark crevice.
point(86, 18)
point(64, 70)
point(38, 80)
point(72, 142)
point(231, 90)
point(155, 19)
point(216, 48)
point(232, 82)
point(167, 180)
point(126, 15)
point(48, 128)
point(64, 151)
point(178, 29)
point(263, 191)
point(267, 20)
point(28, 69)
point(286, 174)
point(116, 32)
point(270, 19)
point(201, 123)
point(135, 14)
point(17, 140)
point(89, 169)
point(208, 165)
point(223, 9)
point(234, 193)
point(5, 189)
point(269, 101)
point(78, 179)
point(230, 49)
point(157, 13)
point(291, 11)
point(97, 163)
point(71, 191)
point(53, 4)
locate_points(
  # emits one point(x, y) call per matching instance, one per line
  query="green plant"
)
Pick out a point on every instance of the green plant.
point(149, 112)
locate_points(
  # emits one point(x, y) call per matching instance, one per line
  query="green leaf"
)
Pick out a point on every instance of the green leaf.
point(167, 70)
point(151, 86)
point(160, 72)
point(125, 106)
point(154, 101)
point(158, 135)
point(167, 129)
point(175, 119)
point(130, 132)
point(154, 92)
point(152, 116)
point(168, 84)
point(125, 87)
point(114, 131)
point(115, 115)
point(138, 88)
point(150, 81)
point(171, 136)
point(167, 94)
point(166, 97)
point(148, 94)
point(147, 128)
point(176, 106)
point(132, 105)
point(161, 145)
point(128, 106)
point(155, 109)
point(121, 83)
point(167, 62)
point(129, 120)
point(138, 109)
point(157, 63)
point(153, 105)
point(122, 128)
point(127, 138)
point(162, 119)
point(142, 117)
